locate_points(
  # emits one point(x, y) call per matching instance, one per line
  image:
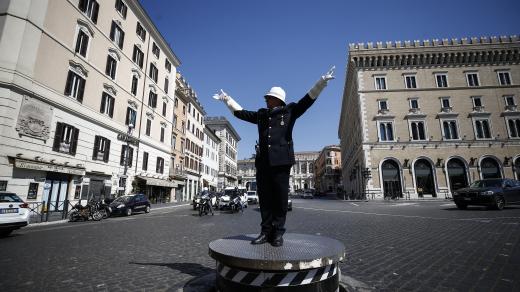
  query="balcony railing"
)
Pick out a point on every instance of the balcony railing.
point(179, 172)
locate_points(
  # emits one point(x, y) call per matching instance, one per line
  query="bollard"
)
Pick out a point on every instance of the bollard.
point(304, 263)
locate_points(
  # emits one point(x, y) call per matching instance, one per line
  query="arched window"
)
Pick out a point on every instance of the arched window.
point(489, 168)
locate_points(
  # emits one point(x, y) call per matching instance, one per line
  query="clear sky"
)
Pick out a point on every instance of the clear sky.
point(247, 46)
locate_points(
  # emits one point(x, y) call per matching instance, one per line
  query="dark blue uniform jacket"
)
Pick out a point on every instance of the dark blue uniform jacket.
point(275, 128)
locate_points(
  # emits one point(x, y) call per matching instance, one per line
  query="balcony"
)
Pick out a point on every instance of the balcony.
point(178, 173)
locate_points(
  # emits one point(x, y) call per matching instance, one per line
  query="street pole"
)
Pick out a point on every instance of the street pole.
point(130, 127)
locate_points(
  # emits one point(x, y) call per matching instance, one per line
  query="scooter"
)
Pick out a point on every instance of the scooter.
point(236, 205)
point(85, 212)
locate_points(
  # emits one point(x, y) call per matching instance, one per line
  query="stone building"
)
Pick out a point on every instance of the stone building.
point(210, 159)
point(86, 101)
point(302, 172)
point(227, 175)
point(424, 118)
point(246, 173)
point(328, 170)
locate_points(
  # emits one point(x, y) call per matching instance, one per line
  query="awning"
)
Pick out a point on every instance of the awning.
point(158, 182)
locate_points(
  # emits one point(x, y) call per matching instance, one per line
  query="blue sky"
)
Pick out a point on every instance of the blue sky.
point(246, 47)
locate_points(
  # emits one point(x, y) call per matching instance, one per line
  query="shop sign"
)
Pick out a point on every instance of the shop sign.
point(127, 138)
point(48, 167)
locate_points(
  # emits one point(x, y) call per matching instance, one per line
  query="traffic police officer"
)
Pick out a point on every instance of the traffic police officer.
point(275, 153)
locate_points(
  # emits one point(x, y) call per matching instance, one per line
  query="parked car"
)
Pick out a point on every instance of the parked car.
point(14, 213)
point(252, 197)
point(129, 204)
point(224, 200)
point(494, 193)
point(308, 194)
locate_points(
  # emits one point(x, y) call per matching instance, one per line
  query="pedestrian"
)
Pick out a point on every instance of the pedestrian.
point(274, 152)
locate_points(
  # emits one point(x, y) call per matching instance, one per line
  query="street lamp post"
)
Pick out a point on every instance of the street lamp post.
point(129, 132)
point(366, 176)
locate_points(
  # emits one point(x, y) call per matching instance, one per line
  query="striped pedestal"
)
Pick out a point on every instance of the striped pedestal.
point(303, 263)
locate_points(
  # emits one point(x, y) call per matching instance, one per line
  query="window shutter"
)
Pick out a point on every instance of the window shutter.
point(74, 143)
point(78, 42)
point(57, 137)
point(83, 50)
point(124, 11)
point(111, 109)
point(68, 85)
point(107, 68)
point(122, 160)
point(122, 39)
point(127, 121)
point(81, 89)
point(141, 61)
point(112, 30)
point(95, 10)
point(107, 150)
point(96, 148)
point(82, 5)
point(130, 156)
point(103, 101)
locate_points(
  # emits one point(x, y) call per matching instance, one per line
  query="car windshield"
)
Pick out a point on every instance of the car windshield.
point(251, 193)
point(6, 198)
point(123, 199)
point(491, 183)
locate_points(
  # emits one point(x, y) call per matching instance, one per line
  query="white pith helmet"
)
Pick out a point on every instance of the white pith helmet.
point(277, 92)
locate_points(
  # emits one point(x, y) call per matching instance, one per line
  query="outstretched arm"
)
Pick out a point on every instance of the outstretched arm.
point(235, 108)
point(304, 103)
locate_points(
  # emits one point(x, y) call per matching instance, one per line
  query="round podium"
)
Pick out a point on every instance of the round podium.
point(304, 263)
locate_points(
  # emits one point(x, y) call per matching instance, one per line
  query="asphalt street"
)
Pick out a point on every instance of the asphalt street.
point(391, 246)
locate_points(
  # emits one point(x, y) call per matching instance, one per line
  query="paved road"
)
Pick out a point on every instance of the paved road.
point(391, 246)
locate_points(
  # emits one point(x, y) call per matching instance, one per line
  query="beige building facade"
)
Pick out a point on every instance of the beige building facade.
point(328, 170)
point(424, 118)
point(302, 172)
point(86, 101)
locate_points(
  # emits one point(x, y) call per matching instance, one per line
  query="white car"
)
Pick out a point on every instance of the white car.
point(226, 196)
point(252, 197)
point(14, 213)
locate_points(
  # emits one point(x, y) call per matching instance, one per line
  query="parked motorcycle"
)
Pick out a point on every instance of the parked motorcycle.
point(80, 212)
point(104, 208)
point(204, 205)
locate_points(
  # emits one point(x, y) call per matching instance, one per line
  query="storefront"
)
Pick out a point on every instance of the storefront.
point(157, 190)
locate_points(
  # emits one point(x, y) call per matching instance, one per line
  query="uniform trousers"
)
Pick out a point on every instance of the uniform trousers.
point(273, 190)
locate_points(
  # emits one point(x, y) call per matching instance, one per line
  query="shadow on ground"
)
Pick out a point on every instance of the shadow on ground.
point(191, 269)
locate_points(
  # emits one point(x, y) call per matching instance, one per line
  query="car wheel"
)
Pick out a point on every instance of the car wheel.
point(499, 203)
point(461, 206)
point(128, 212)
point(147, 210)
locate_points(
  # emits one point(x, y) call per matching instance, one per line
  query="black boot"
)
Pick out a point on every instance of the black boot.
point(261, 239)
point(277, 240)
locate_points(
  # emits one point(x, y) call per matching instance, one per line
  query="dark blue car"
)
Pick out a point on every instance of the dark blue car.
point(129, 204)
point(495, 193)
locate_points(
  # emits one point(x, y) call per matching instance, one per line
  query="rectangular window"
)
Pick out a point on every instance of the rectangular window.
point(417, 131)
point(449, 129)
point(176, 103)
point(504, 78)
point(82, 43)
point(101, 149)
point(130, 116)
point(383, 105)
point(159, 167)
point(477, 101)
point(127, 155)
point(510, 101)
point(145, 161)
point(90, 8)
point(141, 32)
point(154, 73)
point(513, 126)
point(110, 70)
point(121, 7)
point(134, 85)
point(174, 121)
point(380, 83)
point(174, 141)
point(166, 83)
point(162, 134)
point(32, 193)
point(442, 80)
point(410, 81)
point(138, 57)
point(472, 79)
point(107, 104)
point(155, 50)
point(168, 65)
point(148, 127)
point(386, 131)
point(445, 103)
point(414, 103)
point(152, 99)
point(75, 86)
point(117, 35)
point(482, 129)
point(65, 139)
point(164, 107)
point(3, 185)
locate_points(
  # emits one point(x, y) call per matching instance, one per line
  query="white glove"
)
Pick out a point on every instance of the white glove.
point(321, 83)
point(231, 104)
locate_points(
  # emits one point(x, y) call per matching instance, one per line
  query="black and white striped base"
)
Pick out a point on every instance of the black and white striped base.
point(320, 279)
